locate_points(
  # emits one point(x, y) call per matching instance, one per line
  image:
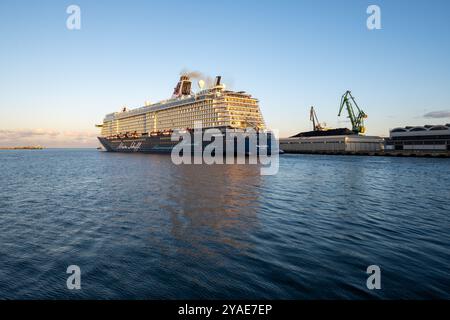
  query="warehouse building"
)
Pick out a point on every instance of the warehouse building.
point(428, 138)
point(344, 144)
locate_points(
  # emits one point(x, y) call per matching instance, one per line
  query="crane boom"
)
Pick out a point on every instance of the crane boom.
point(317, 126)
point(315, 120)
point(356, 115)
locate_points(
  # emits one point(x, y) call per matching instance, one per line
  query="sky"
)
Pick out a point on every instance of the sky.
point(56, 83)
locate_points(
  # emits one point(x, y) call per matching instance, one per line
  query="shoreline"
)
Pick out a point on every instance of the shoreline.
point(23, 148)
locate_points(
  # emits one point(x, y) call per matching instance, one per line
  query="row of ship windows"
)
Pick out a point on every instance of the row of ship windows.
point(195, 112)
point(195, 115)
point(190, 125)
point(242, 105)
point(191, 109)
point(189, 120)
point(207, 104)
point(241, 100)
point(141, 122)
point(199, 110)
point(234, 120)
point(190, 114)
point(244, 111)
point(209, 114)
point(168, 121)
point(135, 124)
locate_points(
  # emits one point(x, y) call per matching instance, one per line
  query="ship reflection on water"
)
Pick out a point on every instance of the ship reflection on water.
point(209, 206)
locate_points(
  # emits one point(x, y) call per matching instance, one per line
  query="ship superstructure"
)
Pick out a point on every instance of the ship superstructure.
point(214, 107)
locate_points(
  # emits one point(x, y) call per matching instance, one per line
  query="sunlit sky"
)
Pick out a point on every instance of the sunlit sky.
point(56, 84)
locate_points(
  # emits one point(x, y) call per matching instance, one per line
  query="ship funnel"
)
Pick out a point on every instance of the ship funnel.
point(183, 86)
point(217, 81)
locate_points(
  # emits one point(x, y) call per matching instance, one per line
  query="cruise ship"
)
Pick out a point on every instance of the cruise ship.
point(149, 128)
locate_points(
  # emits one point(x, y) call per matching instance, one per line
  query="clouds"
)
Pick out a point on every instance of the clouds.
point(47, 138)
point(18, 134)
point(437, 114)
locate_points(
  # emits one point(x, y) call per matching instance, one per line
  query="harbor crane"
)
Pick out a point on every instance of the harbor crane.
point(313, 117)
point(355, 114)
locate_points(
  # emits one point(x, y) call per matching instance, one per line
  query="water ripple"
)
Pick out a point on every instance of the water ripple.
point(142, 228)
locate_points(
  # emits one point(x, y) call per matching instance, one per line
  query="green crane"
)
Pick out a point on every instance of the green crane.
point(356, 115)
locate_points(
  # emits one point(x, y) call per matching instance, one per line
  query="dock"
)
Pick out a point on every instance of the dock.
point(383, 153)
point(353, 145)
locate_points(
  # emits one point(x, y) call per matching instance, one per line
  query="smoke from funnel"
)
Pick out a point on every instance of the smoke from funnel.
point(209, 81)
point(191, 74)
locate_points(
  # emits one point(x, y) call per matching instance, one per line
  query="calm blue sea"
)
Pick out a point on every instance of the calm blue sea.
point(140, 227)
